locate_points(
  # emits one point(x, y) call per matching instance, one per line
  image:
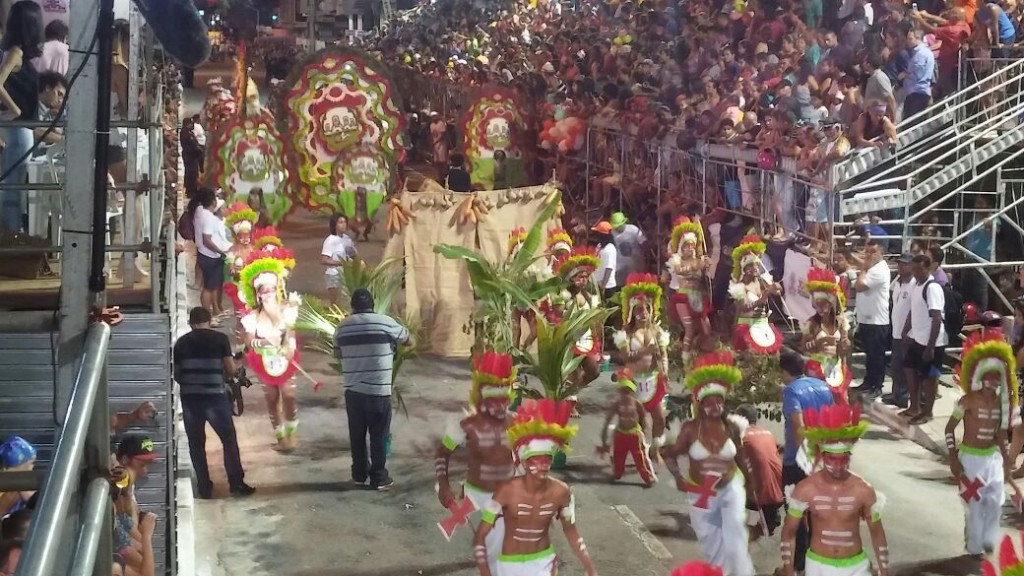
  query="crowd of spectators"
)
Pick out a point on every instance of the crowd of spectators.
point(801, 79)
point(132, 528)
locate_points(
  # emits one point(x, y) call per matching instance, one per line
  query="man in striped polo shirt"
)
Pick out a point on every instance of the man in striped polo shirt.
point(202, 361)
point(365, 342)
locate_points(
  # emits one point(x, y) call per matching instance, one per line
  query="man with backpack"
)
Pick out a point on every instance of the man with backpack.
point(926, 347)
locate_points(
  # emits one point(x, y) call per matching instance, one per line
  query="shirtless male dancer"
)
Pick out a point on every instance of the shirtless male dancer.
point(836, 499)
point(630, 438)
point(484, 434)
point(530, 503)
point(980, 463)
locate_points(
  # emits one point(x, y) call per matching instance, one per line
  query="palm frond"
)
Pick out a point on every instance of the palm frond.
point(534, 238)
point(554, 362)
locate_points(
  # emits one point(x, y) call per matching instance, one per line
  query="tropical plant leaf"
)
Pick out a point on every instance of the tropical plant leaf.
point(554, 362)
point(534, 238)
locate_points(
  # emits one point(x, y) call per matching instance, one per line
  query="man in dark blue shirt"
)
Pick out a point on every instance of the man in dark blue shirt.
point(801, 392)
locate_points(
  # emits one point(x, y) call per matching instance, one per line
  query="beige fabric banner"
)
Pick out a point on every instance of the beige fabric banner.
point(516, 208)
point(437, 290)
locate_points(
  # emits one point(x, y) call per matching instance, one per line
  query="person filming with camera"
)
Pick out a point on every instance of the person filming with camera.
point(202, 364)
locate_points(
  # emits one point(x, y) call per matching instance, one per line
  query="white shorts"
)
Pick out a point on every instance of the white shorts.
point(541, 563)
point(858, 565)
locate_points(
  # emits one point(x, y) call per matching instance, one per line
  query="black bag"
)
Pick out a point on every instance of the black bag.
point(952, 312)
point(187, 225)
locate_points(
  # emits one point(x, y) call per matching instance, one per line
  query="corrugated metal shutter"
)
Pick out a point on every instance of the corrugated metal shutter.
point(138, 369)
point(26, 390)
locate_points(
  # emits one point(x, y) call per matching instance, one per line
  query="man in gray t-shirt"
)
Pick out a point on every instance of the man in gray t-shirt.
point(879, 86)
point(628, 241)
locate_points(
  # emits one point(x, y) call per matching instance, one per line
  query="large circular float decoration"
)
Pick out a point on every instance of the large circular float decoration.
point(339, 99)
point(245, 151)
point(495, 121)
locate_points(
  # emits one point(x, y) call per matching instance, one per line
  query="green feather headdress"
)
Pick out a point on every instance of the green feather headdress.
point(713, 374)
point(252, 271)
point(749, 246)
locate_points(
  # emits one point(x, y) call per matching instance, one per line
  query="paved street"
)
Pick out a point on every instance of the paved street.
point(306, 520)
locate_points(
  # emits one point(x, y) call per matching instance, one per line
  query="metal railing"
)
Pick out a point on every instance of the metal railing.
point(83, 448)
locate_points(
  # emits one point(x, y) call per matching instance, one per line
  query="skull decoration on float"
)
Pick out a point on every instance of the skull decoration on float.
point(246, 152)
point(495, 121)
point(344, 123)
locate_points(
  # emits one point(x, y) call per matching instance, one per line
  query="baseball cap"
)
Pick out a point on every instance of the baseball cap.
point(137, 446)
point(16, 451)
point(603, 227)
point(905, 258)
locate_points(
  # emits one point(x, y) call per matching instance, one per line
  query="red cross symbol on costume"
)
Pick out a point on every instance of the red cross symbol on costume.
point(970, 488)
point(459, 517)
point(705, 491)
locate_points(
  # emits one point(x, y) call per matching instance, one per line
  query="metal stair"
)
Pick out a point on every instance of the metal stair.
point(958, 134)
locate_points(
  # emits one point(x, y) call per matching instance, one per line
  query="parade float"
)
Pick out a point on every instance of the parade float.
point(245, 151)
point(494, 146)
point(343, 121)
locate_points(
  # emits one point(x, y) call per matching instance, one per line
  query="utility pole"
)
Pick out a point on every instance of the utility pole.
point(311, 24)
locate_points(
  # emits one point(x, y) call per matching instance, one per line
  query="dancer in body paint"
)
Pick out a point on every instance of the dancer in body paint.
point(629, 435)
point(644, 346)
point(751, 288)
point(559, 246)
point(826, 336)
point(714, 483)
point(270, 336)
point(484, 434)
point(531, 502)
point(836, 500)
point(688, 267)
point(980, 462)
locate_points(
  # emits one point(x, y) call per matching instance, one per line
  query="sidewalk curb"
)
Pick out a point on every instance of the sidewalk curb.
point(888, 416)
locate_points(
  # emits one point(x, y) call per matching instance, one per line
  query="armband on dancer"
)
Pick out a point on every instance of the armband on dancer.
point(877, 507)
point(440, 468)
point(796, 507)
point(490, 512)
point(454, 436)
point(480, 553)
point(950, 441)
point(786, 549)
point(568, 512)
point(582, 546)
point(882, 555)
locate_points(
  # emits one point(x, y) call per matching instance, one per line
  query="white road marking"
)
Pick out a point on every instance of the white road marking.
point(650, 541)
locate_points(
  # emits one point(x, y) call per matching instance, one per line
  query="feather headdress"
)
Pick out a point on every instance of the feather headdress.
point(240, 218)
point(1010, 563)
point(686, 231)
point(749, 251)
point(985, 352)
point(821, 283)
point(713, 374)
point(260, 271)
point(541, 428)
point(559, 241)
point(516, 239)
point(833, 429)
point(492, 376)
point(582, 260)
point(640, 290)
point(263, 236)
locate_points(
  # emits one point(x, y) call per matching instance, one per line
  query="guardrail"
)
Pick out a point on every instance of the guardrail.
point(83, 449)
